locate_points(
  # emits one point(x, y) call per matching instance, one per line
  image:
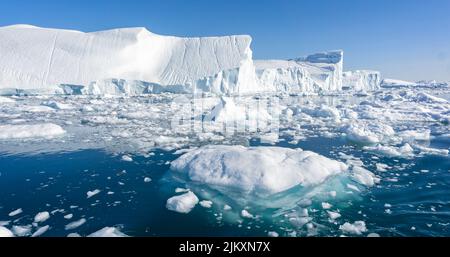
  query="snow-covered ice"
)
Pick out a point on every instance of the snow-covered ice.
point(278, 169)
point(182, 203)
point(4, 232)
point(41, 217)
point(46, 130)
point(108, 232)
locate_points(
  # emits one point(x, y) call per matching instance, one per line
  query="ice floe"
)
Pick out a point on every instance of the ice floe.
point(182, 203)
point(278, 169)
point(46, 130)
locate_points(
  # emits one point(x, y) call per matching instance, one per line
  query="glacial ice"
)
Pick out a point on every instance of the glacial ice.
point(108, 232)
point(4, 232)
point(41, 217)
point(278, 169)
point(182, 203)
point(361, 80)
point(357, 228)
point(39, 58)
point(135, 61)
point(45, 130)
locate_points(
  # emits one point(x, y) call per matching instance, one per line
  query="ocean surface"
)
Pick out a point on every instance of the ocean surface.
point(411, 199)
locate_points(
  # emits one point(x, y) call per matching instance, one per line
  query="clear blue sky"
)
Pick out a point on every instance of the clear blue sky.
point(405, 39)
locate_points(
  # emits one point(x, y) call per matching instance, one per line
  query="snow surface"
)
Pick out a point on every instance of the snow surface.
point(45, 130)
point(278, 169)
point(182, 203)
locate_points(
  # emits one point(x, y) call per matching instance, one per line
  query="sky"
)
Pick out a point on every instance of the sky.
point(404, 39)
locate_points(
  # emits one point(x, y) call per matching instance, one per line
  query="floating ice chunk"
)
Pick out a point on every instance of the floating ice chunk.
point(108, 232)
point(6, 100)
point(147, 180)
point(432, 151)
point(411, 135)
point(369, 133)
point(269, 138)
point(273, 234)
point(75, 224)
point(92, 193)
point(127, 158)
point(16, 212)
point(247, 215)
point(4, 232)
point(333, 215)
point(227, 207)
point(206, 204)
point(278, 168)
point(182, 203)
point(373, 235)
point(41, 217)
point(181, 190)
point(356, 228)
point(392, 151)
point(22, 230)
point(46, 130)
point(57, 105)
point(40, 231)
point(68, 216)
point(364, 177)
point(326, 206)
point(73, 235)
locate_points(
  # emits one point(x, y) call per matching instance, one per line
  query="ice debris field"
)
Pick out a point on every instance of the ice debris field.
point(129, 133)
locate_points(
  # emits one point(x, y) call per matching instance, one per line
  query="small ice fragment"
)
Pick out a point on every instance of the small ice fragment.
point(16, 212)
point(127, 158)
point(246, 214)
point(227, 207)
point(108, 232)
point(75, 224)
point(68, 216)
point(273, 234)
point(41, 217)
point(92, 193)
point(333, 215)
point(326, 206)
point(40, 231)
point(182, 203)
point(356, 228)
point(206, 204)
point(181, 190)
point(147, 180)
point(373, 235)
point(73, 235)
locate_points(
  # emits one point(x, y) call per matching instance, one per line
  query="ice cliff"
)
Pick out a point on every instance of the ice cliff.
point(40, 59)
point(135, 61)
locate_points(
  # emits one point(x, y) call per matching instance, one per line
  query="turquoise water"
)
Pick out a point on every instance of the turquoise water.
point(414, 201)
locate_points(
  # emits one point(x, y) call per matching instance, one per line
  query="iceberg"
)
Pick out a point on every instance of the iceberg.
point(313, 73)
point(278, 169)
point(42, 59)
point(361, 80)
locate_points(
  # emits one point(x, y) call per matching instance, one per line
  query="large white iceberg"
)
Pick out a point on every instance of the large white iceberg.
point(38, 59)
point(361, 80)
point(313, 73)
point(259, 170)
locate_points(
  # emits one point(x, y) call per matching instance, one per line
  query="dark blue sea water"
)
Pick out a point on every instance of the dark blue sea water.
point(412, 199)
